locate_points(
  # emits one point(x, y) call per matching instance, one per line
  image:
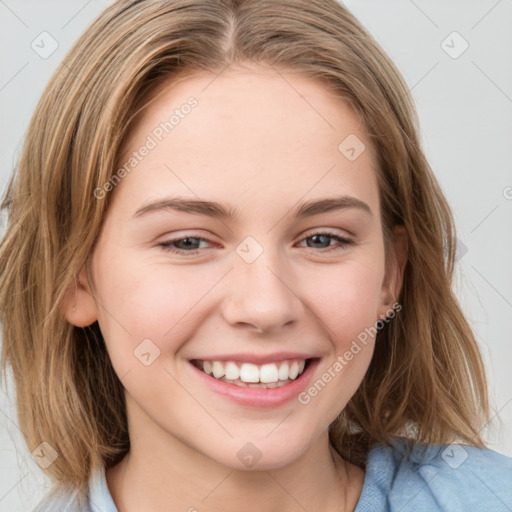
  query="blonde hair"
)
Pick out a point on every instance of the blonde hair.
point(426, 379)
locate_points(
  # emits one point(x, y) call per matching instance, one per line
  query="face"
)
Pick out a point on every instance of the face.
point(247, 242)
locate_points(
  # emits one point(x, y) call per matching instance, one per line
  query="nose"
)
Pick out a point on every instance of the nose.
point(261, 294)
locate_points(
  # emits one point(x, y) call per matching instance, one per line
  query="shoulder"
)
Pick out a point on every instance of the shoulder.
point(63, 500)
point(424, 477)
point(96, 499)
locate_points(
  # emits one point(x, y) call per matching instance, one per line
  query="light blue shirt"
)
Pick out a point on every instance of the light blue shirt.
point(449, 478)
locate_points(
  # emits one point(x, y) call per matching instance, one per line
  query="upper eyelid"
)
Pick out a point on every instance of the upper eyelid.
point(307, 234)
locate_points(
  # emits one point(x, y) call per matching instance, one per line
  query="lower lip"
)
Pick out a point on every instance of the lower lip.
point(259, 397)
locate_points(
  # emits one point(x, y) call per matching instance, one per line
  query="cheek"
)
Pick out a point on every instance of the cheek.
point(141, 301)
point(347, 300)
point(349, 312)
point(348, 308)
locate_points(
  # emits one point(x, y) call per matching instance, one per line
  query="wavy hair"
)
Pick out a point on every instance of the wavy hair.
point(426, 380)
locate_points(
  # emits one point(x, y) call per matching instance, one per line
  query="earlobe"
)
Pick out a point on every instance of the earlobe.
point(79, 306)
point(401, 247)
point(395, 270)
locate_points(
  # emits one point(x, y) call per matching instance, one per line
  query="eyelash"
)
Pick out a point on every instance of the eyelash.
point(342, 243)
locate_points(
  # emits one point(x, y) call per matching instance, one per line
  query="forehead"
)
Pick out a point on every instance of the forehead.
point(250, 133)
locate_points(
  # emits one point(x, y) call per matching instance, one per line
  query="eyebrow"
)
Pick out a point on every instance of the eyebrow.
point(217, 210)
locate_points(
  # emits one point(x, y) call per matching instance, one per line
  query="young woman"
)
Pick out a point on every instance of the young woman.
point(226, 279)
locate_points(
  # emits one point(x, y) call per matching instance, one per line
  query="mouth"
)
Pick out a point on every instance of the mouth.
point(249, 375)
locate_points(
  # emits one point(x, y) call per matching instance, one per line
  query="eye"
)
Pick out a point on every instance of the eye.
point(191, 245)
point(323, 237)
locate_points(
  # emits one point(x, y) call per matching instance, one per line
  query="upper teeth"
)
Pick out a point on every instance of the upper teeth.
point(249, 372)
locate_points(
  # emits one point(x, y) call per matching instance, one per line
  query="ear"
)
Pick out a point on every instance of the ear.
point(79, 306)
point(395, 269)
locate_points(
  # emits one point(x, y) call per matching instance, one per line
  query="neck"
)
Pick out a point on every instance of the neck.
point(161, 473)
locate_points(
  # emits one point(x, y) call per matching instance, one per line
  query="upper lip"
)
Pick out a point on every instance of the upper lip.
point(256, 358)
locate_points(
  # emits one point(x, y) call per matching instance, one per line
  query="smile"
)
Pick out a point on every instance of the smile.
point(269, 375)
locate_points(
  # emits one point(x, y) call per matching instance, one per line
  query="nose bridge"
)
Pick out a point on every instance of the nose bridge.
point(260, 293)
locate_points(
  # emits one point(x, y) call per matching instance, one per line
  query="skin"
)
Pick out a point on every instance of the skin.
point(257, 143)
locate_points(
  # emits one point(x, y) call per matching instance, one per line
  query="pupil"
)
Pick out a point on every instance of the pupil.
point(187, 242)
point(325, 237)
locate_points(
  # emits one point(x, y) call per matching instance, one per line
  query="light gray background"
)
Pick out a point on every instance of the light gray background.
point(465, 111)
